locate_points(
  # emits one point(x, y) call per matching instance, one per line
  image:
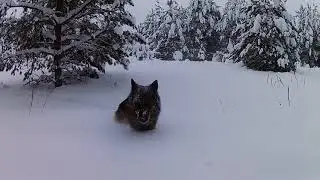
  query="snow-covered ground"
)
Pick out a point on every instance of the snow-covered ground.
point(219, 122)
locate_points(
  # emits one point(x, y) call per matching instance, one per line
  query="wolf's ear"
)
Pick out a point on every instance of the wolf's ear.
point(154, 85)
point(134, 85)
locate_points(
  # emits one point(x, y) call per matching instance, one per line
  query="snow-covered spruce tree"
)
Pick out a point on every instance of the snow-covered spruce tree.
point(151, 24)
point(201, 37)
point(139, 51)
point(137, 47)
point(168, 42)
point(308, 22)
point(142, 52)
point(64, 38)
point(146, 29)
point(269, 41)
point(231, 18)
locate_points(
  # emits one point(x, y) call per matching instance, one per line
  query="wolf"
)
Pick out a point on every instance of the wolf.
point(141, 109)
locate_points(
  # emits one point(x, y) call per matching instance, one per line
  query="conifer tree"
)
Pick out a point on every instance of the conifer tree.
point(229, 22)
point(64, 38)
point(168, 40)
point(308, 22)
point(269, 41)
point(201, 36)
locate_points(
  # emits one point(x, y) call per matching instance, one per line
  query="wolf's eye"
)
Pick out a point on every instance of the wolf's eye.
point(145, 112)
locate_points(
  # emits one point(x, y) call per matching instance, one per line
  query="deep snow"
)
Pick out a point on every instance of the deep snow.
point(219, 121)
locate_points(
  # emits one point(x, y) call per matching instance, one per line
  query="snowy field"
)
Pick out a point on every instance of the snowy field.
point(219, 122)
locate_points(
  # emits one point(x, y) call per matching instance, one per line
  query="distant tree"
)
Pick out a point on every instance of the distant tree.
point(148, 29)
point(64, 38)
point(169, 39)
point(229, 23)
point(202, 39)
point(139, 51)
point(308, 22)
point(269, 38)
point(152, 23)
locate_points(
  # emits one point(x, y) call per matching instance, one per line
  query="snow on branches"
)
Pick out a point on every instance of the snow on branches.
point(267, 39)
point(63, 37)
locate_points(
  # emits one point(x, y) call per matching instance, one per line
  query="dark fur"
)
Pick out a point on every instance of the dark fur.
point(141, 108)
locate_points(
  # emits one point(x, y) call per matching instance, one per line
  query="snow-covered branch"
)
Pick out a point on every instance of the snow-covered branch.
point(31, 51)
point(75, 12)
point(46, 11)
point(83, 40)
point(70, 37)
point(74, 37)
point(92, 11)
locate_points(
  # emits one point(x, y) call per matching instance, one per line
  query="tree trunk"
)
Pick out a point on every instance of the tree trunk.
point(57, 71)
point(57, 46)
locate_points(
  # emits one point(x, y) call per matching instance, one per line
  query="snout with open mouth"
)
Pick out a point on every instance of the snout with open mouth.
point(143, 116)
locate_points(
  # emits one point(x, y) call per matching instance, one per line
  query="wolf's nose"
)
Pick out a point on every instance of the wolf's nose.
point(143, 119)
point(143, 116)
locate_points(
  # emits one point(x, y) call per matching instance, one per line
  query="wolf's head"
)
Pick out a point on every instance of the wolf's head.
point(144, 99)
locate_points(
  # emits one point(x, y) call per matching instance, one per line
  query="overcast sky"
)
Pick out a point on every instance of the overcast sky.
point(142, 7)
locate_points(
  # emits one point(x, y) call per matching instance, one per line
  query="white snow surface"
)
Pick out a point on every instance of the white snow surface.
point(219, 121)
